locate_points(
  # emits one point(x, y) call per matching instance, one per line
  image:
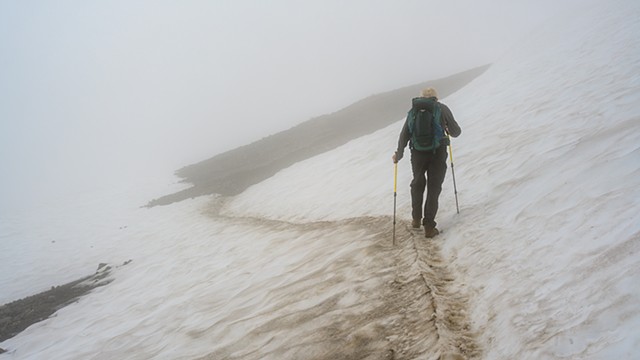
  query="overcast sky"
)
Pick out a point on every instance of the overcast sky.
point(104, 85)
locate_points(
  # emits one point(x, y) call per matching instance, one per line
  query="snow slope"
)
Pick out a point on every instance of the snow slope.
point(548, 170)
point(542, 262)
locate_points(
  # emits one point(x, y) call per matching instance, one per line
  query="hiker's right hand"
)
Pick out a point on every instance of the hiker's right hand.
point(396, 157)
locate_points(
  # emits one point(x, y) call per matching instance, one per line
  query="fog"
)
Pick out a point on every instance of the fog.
point(95, 92)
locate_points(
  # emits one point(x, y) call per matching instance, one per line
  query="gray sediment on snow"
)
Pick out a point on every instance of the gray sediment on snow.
point(409, 305)
point(233, 171)
point(444, 328)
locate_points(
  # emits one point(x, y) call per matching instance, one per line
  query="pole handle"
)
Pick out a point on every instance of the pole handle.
point(395, 195)
point(395, 177)
point(450, 150)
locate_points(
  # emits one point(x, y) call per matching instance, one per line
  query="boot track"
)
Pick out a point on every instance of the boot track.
point(424, 310)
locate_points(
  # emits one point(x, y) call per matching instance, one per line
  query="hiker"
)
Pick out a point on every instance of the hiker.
point(424, 129)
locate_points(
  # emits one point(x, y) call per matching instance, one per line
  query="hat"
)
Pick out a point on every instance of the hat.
point(429, 92)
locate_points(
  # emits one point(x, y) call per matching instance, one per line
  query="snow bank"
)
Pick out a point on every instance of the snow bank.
point(549, 237)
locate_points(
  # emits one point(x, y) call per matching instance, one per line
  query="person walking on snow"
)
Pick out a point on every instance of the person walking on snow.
point(433, 162)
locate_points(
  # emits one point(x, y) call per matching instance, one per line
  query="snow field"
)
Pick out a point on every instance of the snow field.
point(543, 259)
point(547, 169)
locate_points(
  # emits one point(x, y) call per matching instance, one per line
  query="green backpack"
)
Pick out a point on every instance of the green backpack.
point(425, 124)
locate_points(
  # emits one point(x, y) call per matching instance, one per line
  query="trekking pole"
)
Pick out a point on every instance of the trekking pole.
point(395, 195)
point(453, 174)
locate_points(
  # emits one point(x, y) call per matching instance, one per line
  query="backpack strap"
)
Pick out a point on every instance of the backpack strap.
point(411, 118)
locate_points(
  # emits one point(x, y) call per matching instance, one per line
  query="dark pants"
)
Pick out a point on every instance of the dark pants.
point(435, 167)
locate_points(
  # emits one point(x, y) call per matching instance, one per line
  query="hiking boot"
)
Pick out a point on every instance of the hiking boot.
point(415, 224)
point(430, 232)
